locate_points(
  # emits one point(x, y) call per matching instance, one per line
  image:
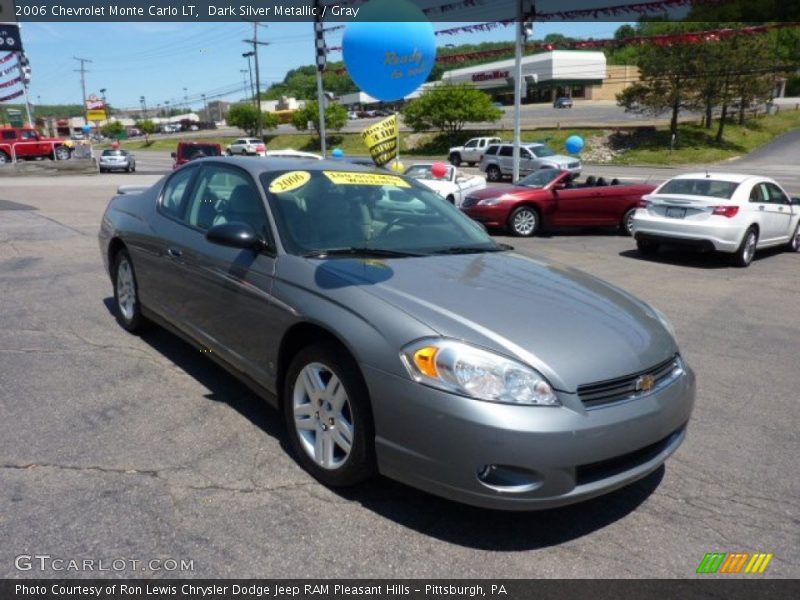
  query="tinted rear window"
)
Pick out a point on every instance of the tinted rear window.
point(506, 151)
point(492, 150)
point(200, 150)
point(712, 188)
point(113, 153)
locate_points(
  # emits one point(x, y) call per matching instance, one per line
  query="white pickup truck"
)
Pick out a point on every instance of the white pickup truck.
point(471, 152)
point(453, 187)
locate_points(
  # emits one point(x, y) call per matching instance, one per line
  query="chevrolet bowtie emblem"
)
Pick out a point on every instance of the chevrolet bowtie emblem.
point(645, 383)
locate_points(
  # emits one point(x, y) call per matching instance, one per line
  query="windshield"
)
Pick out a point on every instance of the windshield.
point(200, 150)
point(699, 187)
point(539, 179)
point(426, 172)
point(328, 210)
point(542, 151)
point(113, 153)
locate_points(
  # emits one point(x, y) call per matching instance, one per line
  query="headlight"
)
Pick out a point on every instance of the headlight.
point(665, 322)
point(463, 369)
point(489, 201)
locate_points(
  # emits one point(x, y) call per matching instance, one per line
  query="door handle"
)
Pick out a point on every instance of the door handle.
point(761, 207)
point(174, 253)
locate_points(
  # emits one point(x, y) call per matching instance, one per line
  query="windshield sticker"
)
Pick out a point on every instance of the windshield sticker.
point(349, 178)
point(289, 181)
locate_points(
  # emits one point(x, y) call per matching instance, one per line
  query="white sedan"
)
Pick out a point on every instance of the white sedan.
point(736, 214)
point(453, 186)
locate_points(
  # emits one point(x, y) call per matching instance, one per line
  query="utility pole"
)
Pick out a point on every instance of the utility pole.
point(247, 55)
point(256, 44)
point(319, 41)
point(83, 72)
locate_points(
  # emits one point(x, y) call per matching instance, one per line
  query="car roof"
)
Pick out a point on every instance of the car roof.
point(731, 177)
point(257, 165)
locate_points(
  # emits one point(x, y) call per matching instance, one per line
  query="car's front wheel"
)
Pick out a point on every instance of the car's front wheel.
point(647, 247)
point(61, 153)
point(493, 173)
point(455, 159)
point(4, 158)
point(794, 243)
point(747, 249)
point(524, 221)
point(626, 227)
point(126, 293)
point(327, 412)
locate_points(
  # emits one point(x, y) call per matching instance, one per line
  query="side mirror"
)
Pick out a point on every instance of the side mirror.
point(794, 201)
point(234, 235)
point(174, 155)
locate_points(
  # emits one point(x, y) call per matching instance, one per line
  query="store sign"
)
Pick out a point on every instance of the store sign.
point(96, 115)
point(10, 40)
point(490, 75)
point(95, 103)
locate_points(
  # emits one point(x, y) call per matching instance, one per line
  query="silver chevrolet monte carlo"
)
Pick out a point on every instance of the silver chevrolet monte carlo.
point(396, 337)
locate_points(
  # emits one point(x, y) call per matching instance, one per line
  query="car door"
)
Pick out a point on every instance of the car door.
point(765, 213)
point(230, 306)
point(28, 145)
point(237, 147)
point(505, 158)
point(7, 140)
point(780, 211)
point(575, 206)
point(471, 153)
point(528, 163)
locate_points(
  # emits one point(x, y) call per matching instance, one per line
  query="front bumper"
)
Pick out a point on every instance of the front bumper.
point(722, 235)
point(440, 442)
point(115, 166)
point(491, 216)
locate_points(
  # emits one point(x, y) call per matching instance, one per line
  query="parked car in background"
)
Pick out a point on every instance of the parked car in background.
point(453, 187)
point(562, 102)
point(134, 132)
point(25, 143)
point(471, 152)
point(117, 160)
point(170, 128)
point(352, 115)
point(550, 198)
point(247, 147)
point(498, 160)
point(396, 337)
point(188, 151)
point(725, 212)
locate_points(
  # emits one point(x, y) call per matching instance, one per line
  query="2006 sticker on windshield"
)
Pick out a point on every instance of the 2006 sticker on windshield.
point(289, 181)
point(349, 178)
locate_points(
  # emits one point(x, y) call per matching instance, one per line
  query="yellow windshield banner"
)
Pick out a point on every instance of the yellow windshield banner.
point(350, 178)
point(289, 181)
point(381, 139)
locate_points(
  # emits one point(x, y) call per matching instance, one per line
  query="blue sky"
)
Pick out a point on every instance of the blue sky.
point(158, 60)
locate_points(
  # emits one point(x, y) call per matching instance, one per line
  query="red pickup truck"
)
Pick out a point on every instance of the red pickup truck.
point(27, 143)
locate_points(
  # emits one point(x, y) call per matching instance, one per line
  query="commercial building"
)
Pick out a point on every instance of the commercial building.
point(577, 74)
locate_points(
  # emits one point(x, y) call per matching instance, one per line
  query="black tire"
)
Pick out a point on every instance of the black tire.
point(747, 249)
point(626, 226)
point(794, 242)
point(455, 159)
point(451, 199)
point(134, 321)
point(61, 153)
point(228, 152)
point(359, 465)
point(102, 170)
point(4, 158)
point(647, 247)
point(524, 222)
point(493, 173)
point(471, 164)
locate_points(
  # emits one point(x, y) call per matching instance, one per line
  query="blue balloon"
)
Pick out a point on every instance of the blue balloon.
point(87, 129)
point(574, 144)
point(337, 153)
point(390, 52)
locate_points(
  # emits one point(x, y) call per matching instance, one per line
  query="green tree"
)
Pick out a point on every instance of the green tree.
point(148, 128)
point(113, 129)
point(335, 117)
point(247, 116)
point(448, 107)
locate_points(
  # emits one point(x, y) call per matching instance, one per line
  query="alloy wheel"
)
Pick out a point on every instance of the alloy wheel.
point(749, 247)
point(524, 222)
point(126, 290)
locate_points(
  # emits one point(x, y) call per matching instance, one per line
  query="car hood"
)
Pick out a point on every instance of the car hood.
point(560, 159)
point(572, 327)
point(496, 192)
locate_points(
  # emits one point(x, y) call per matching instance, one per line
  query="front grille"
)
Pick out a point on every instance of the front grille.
point(469, 201)
point(630, 386)
point(604, 469)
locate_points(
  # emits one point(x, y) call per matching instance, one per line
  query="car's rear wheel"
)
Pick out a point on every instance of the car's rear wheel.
point(647, 247)
point(126, 293)
point(4, 158)
point(455, 159)
point(327, 412)
point(524, 221)
point(747, 249)
point(493, 173)
point(626, 227)
point(794, 243)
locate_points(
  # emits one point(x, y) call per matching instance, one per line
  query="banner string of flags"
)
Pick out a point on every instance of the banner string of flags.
point(14, 68)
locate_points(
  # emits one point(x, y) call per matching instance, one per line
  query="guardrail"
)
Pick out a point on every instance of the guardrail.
point(9, 149)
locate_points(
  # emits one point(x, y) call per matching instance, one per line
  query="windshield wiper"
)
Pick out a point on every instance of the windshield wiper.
point(474, 249)
point(360, 251)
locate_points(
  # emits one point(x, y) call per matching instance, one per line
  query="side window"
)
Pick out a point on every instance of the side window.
point(225, 195)
point(756, 194)
point(776, 195)
point(491, 151)
point(9, 135)
point(506, 151)
point(29, 135)
point(524, 153)
point(471, 144)
point(174, 191)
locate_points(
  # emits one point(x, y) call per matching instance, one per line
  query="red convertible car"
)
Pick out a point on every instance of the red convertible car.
point(550, 198)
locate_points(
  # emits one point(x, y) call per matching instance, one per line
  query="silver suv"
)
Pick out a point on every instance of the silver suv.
point(498, 160)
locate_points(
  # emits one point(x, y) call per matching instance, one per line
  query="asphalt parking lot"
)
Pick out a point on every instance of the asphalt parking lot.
point(115, 446)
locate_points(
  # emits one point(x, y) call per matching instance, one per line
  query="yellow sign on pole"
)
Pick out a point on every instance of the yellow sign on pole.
point(96, 115)
point(382, 140)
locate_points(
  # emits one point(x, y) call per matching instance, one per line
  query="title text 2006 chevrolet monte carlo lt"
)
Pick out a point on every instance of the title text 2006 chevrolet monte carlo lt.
point(396, 337)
